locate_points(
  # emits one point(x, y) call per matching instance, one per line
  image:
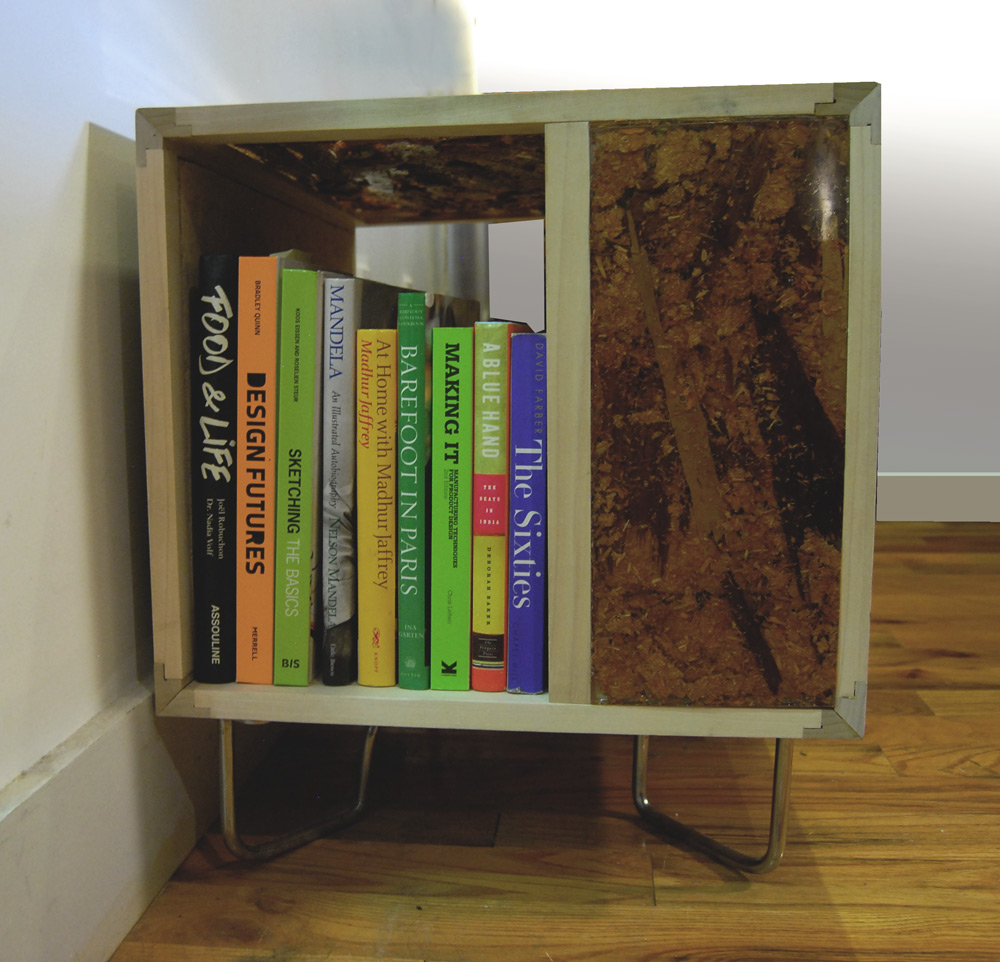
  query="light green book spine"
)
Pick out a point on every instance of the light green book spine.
point(453, 359)
point(294, 550)
point(411, 492)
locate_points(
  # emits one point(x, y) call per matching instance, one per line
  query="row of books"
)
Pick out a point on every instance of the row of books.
point(368, 483)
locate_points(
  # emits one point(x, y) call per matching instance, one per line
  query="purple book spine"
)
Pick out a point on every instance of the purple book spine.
point(526, 592)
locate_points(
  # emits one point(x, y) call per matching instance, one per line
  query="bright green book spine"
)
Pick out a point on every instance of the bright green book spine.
point(294, 471)
point(413, 450)
point(452, 359)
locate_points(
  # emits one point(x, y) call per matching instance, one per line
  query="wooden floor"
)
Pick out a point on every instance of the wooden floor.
point(484, 846)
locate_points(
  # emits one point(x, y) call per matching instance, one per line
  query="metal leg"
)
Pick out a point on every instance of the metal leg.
point(283, 843)
point(716, 850)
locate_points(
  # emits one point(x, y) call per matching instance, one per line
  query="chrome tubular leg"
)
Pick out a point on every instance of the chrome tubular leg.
point(683, 835)
point(283, 843)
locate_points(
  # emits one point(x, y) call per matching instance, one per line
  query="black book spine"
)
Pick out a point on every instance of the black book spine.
point(213, 466)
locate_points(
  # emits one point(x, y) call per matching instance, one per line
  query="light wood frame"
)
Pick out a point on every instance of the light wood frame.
point(194, 190)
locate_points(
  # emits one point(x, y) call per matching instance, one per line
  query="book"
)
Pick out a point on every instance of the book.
point(295, 497)
point(349, 304)
point(489, 505)
point(259, 292)
point(452, 359)
point(256, 355)
point(527, 531)
point(376, 456)
point(213, 337)
point(338, 607)
point(411, 523)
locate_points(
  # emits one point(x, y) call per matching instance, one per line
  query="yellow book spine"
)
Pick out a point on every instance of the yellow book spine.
point(376, 500)
point(489, 555)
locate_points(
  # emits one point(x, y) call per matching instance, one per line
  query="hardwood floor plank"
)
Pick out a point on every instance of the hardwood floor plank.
point(557, 874)
point(957, 883)
point(171, 953)
point(983, 703)
point(891, 701)
point(968, 537)
point(152, 952)
point(175, 953)
point(610, 832)
point(930, 668)
point(966, 745)
point(479, 930)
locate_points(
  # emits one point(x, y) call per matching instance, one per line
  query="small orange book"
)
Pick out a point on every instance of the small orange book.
point(256, 421)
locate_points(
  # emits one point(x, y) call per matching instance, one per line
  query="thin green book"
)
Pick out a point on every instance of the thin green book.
point(294, 466)
point(452, 358)
point(413, 453)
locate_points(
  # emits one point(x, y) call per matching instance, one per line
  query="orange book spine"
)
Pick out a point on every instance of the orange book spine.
point(256, 422)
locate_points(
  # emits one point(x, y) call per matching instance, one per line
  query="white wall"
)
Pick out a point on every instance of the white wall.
point(941, 192)
point(73, 75)
point(75, 654)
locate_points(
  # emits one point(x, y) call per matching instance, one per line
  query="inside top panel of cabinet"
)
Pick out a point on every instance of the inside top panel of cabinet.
point(411, 180)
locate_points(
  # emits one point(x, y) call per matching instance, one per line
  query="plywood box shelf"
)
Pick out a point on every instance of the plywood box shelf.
point(606, 171)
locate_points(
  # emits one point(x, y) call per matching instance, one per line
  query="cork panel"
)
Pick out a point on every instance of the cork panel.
point(719, 343)
point(418, 180)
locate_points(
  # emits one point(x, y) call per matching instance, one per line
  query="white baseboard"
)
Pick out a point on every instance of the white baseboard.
point(90, 834)
point(938, 497)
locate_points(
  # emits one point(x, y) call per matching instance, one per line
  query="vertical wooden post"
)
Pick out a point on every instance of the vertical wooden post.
point(861, 436)
point(567, 305)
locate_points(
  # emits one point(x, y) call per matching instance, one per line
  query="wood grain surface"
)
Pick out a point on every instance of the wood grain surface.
point(488, 846)
point(719, 389)
point(415, 181)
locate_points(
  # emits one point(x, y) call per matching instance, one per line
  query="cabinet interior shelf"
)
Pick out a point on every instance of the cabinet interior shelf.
point(399, 708)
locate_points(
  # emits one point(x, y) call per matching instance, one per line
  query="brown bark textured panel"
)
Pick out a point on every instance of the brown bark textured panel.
point(719, 343)
point(418, 180)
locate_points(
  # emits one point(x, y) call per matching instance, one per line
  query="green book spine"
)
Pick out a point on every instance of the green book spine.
point(453, 359)
point(411, 492)
point(294, 548)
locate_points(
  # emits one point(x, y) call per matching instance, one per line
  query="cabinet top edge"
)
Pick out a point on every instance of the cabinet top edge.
point(490, 113)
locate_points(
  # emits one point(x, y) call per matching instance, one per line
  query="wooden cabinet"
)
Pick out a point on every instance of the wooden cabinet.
point(712, 301)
